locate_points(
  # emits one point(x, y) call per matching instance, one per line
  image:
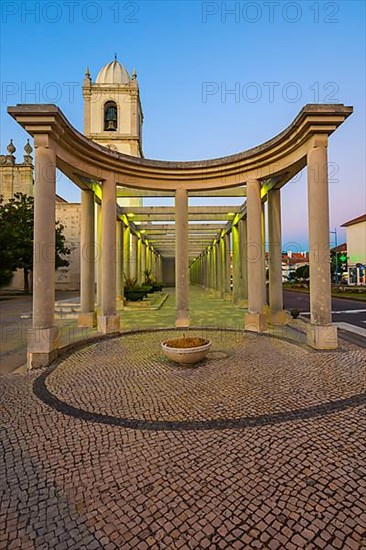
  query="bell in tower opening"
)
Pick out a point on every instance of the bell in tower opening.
point(110, 117)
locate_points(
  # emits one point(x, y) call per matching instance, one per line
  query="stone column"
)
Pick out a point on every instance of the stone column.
point(108, 321)
point(213, 269)
point(181, 258)
point(240, 279)
point(87, 315)
point(126, 250)
point(204, 270)
point(222, 266)
point(159, 273)
point(263, 225)
point(277, 314)
point(139, 261)
point(99, 254)
point(42, 338)
point(218, 269)
point(119, 258)
point(133, 256)
point(255, 319)
point(321, 333)
point(243, 239)
point(227, 269)
point(143, 261)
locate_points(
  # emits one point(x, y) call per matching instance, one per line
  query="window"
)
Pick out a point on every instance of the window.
point(110, 116)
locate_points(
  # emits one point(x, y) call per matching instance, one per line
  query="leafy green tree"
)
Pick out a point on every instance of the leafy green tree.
point(302, 272)
point(16, 239)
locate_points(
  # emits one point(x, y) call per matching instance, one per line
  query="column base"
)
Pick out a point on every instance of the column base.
point(87, 319)
point(256, 322)
point(279, 317)
point(322, 336)
point(42, 346)
point(108, 324)
point(182, 319)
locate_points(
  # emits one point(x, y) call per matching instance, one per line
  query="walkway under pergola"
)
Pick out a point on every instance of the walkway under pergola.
point(199, 238)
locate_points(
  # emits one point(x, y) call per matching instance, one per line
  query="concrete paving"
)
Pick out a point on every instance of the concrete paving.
point(114, 447)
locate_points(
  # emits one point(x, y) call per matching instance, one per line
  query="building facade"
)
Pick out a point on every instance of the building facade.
point(356, 250)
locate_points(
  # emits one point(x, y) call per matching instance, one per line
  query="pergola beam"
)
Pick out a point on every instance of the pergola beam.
point(129, 192)
point(161, 210)
point(161, 228)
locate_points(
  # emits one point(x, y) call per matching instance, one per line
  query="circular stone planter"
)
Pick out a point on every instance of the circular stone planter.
point(186, 355)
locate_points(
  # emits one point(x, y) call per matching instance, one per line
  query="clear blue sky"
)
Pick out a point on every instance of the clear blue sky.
point(313, 51)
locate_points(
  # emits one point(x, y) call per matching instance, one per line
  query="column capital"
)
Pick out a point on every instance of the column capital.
point(318, 140)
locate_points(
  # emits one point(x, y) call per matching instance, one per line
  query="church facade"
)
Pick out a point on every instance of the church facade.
point(113, 118)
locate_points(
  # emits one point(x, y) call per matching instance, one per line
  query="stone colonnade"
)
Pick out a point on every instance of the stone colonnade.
point(234, 265)
point(231, 263)
point(110, 251)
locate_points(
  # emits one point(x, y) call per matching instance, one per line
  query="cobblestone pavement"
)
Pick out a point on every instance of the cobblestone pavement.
point(261, 446)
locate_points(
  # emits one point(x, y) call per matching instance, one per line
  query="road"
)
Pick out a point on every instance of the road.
point(348, 315)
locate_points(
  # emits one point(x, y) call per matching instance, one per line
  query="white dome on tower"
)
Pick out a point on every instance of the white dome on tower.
point(113, 73)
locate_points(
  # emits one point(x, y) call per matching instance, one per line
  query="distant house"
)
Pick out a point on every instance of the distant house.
point(291, 261)
point(356, 250)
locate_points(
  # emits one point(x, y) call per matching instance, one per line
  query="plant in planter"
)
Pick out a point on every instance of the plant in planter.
point(149, 281)
point(134, 292)
point(148, 277)
point(186, 350)
point(157, 287)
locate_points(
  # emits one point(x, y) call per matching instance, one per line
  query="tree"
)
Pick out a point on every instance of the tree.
point(16, 238)
point(302, 272)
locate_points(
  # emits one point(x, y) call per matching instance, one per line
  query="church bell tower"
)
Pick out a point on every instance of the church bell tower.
point(112, 109)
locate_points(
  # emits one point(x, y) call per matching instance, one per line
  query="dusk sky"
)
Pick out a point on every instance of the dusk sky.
point(274, 56)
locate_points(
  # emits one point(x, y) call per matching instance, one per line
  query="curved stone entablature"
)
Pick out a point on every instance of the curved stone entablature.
point(280, 157)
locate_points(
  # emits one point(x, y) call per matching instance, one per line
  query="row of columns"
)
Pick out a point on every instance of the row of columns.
point(109, 251)
point(212, 269)
point(119, 254)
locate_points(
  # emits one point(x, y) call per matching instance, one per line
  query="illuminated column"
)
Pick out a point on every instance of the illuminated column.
point(42, 338)
point(208, 268)
point(263, 230)
point(119, 259)
point(255, 319)
point(243, 239)
point(204, 270)
point(227, 269)
point(108, 321)
point(160, 269)
point(218, 286)
point(139, 261)
point(181, 258)
point(143, 261)
point(277, 314)
point(221, 249)
point(87, 316)
point(240, 279)
point(133, 256)
point(213, 269)
point(126, 250)
point(99, 254)
point(321, 333)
